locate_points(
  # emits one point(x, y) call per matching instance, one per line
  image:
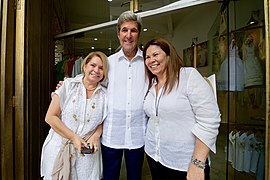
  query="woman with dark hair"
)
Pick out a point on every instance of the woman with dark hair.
point(183, 115)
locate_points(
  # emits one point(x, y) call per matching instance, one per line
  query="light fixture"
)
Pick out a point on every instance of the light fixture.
point(145, 29)
point(95, 39)
point(110, 0)
point(252, 20)
point(92, 47)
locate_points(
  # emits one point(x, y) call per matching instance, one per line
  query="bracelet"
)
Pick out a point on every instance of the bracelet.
point(198, 163)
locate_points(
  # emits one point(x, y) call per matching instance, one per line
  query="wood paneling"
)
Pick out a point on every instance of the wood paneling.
point(38, 78)
point(26, 82)
point(7, 89)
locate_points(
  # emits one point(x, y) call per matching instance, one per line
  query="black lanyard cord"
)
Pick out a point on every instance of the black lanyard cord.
point(157, 100)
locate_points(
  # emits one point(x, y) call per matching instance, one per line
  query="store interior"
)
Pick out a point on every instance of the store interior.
point(225, 38)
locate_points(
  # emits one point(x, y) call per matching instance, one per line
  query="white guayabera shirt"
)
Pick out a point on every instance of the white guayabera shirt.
point(125, 124)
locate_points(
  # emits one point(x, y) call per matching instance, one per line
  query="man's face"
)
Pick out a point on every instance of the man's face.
point(128, 36)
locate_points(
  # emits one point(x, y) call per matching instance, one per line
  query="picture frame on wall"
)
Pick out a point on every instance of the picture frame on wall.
point(201, 59)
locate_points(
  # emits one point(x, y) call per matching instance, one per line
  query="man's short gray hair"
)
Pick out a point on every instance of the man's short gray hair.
point(129, 16)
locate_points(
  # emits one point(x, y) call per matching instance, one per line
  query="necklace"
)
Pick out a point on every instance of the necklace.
point(92, 89)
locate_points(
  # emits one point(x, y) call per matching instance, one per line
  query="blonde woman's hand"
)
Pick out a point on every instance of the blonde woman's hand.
point(78, 142)
point(195, 173)
point(94, 141)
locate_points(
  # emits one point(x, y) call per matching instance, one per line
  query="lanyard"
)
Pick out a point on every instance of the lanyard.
point(157, 100)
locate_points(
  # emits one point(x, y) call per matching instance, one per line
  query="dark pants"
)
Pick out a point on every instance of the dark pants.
point(112, 159)
point(160, 172)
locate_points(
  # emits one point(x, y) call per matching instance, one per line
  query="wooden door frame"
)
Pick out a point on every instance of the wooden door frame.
point(267, 133)
point(26, 82)
point(7, 89)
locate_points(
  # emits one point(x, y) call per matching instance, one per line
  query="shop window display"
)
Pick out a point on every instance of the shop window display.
point(237, 53)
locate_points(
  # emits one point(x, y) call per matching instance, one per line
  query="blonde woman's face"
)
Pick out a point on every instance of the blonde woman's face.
point(93, 70)
point(156, 60)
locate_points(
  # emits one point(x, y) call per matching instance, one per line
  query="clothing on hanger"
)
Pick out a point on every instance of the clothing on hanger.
point(231, 72)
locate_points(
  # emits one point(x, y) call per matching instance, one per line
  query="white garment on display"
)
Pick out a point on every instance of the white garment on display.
point(77, 67)
point(255, 155)
point(231, 72)
point(248, 152)
point(261, 165)
point(235, 150)
point(252, 68)
point(240, 150)
point(231, 148)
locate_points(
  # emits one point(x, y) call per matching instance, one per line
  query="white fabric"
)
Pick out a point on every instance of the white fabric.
point(231, 79)
point(187, 111)
point(125, 124)
point(76, 69)
point(231, 155)
point(248, 152)
point(252, 68)
point(75, 115)
point(212, 80)
point(240, 150)
point(260, 174)
point(255, 155)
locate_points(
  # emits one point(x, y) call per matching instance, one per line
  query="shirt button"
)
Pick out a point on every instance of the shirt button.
point(129, 65)
point(129, 77)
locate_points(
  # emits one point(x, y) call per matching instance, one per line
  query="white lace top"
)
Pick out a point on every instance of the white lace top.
point(81, 116)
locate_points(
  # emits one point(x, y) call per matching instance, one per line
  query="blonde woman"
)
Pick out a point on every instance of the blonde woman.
point(75, 115)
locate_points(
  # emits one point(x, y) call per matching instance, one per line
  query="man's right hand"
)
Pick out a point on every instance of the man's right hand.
point(60, 83)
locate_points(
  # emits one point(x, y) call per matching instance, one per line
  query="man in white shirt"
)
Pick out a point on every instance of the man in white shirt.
point(124, 128)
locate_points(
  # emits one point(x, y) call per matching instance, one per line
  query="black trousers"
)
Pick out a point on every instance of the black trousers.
point(112, 159)
point(160, 172)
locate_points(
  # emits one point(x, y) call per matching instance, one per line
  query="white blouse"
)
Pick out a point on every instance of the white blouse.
point(188, 111)
point(81, 115)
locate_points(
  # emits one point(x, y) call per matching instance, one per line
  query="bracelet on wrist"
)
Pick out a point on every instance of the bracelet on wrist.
point(198, 163)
